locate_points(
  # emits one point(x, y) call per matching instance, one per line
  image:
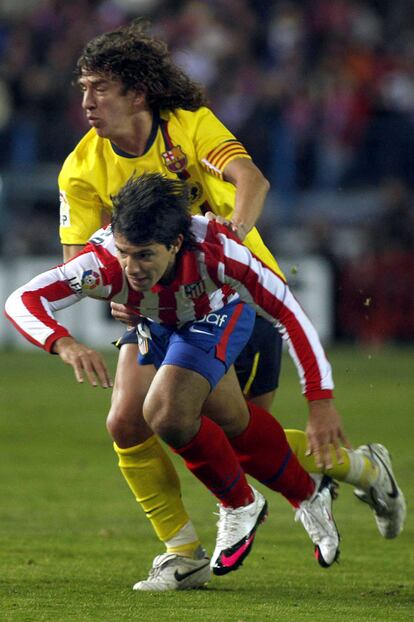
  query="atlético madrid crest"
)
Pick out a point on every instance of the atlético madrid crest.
point(175, 159)
point(194, 290)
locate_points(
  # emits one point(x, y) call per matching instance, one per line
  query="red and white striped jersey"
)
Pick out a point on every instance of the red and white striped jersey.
point(218, 271)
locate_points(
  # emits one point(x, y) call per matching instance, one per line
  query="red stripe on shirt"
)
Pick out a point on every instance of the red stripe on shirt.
point(167, 307)
point(215, 153)
point(275, 307)
point(32, 302)
point(59, 332)
point(112, 273)
point(229, 155)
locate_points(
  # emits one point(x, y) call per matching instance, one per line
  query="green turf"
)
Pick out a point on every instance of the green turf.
point(72, 541)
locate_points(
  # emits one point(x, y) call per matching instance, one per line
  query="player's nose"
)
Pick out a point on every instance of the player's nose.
point(88, 100)
point(133, 267)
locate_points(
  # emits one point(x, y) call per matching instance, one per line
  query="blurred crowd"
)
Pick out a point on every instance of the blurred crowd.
point(321, 92)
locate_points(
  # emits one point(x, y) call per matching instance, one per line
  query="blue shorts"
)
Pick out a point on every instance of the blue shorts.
point(257, 366)
point(208, 346)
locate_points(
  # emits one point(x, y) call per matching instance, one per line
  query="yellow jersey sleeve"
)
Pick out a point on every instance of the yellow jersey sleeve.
point(214, 144)
point(214, 147)
point(81, 208)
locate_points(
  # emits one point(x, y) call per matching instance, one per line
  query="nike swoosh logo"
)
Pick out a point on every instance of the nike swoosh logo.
point(180, 576)
point(394, 490)
point(193, 329)
point(230, 560)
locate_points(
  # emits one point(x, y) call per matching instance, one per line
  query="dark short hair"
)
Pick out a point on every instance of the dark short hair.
point(142, 63)
point(152, 208)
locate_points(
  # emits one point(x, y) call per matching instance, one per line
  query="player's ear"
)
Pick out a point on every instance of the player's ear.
point(177, 244)
point(140, 99)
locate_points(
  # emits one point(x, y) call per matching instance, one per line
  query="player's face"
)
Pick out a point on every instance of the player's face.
point(146, 264)
point(107, 107)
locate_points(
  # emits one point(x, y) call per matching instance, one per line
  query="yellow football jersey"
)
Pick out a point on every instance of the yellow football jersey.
point(194, 146)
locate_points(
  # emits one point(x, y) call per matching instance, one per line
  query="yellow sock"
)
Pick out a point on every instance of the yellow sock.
point(153, 480)
point(355, 469)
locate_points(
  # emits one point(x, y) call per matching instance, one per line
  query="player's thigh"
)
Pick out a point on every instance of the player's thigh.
point(227, 406)
point(174, 401)
point(131, 384)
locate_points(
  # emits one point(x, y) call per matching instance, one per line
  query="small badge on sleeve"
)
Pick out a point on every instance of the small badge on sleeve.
point(64, 209)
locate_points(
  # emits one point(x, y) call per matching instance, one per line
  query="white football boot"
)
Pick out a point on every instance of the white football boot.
point(315, 514)
point(384, 497)
point(174, 572)
point(236, 533)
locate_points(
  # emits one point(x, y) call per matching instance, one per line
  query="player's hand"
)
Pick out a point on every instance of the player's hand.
point(239, 230)
point(325, 432)
point(85, 362)
point(124, 314)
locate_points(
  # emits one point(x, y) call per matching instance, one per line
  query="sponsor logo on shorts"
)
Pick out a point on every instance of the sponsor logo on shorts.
point(216, 319)
point(194, 329)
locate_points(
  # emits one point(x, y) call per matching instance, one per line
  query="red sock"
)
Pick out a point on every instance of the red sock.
point(265, 454)
point(210, 457)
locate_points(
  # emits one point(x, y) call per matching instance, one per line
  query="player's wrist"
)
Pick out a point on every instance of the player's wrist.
point(240, 229)
point(61, 343)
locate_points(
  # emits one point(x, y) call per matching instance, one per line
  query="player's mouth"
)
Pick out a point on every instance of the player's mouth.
point(139, 283)
point(93, 121)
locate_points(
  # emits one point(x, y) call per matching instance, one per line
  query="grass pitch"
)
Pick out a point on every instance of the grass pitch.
point(73, 541)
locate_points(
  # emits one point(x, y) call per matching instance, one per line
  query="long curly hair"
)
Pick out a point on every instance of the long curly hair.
point(142, 63)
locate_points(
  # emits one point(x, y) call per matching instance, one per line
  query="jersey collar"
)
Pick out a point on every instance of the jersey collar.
point(150, 141)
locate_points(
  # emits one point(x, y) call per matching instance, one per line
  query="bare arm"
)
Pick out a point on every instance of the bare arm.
point(70, 250)
point(251, 191)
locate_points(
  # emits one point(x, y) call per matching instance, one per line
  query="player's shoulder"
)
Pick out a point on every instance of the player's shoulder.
point(189, 119)
point(103, 240)
point(83, 157)
point(211, 231)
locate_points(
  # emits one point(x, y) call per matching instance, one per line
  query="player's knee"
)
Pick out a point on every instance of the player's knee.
point(127, 429)
point(265, 400)
point(171, 424)
point(123, 415)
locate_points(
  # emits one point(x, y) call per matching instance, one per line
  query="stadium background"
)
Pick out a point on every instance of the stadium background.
point(322, 94)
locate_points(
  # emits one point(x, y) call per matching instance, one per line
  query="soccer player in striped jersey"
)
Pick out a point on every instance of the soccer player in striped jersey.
point(195, 288)
point(146, 115)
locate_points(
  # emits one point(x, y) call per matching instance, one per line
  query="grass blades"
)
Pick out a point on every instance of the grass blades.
point(73, 540)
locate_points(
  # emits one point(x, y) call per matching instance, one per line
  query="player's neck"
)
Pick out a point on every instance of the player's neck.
point(135, 140)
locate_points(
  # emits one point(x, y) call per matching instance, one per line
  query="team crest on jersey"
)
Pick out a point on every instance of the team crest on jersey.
point(90, 279)
point(194, 290)
point(175, 159)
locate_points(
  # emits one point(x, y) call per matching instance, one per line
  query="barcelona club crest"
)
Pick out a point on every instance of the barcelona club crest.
point(90, 279)
point(175, 159)
point(194, 290)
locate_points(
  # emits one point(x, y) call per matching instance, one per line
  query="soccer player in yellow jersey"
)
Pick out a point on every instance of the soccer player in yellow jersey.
point(146, 115)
